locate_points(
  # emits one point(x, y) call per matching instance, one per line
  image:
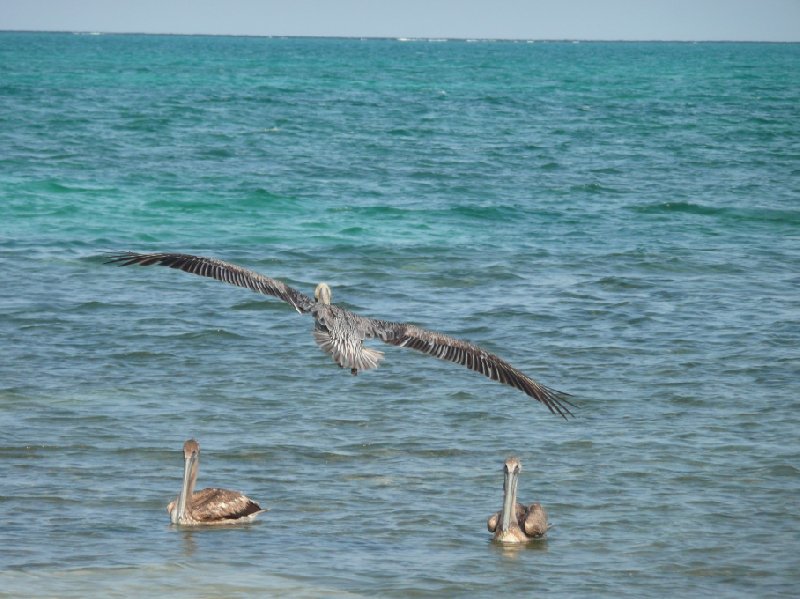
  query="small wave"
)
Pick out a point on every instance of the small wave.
point(389, 211)
point(677, 207)
point(182, 205)
point(217, 153)
point(216, 333)
point(592, 188)
point(354, 231)
point(767, 215)
point(140, 355)
point(497, 213)
point(260, 194)
point(50, 186)
point(91, 306)
point(786, 470)
point(623, 283)
point(401, 132)
point(258, 304)
point(679, 399)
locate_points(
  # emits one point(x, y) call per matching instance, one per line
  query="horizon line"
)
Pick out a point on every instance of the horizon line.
point(403, 38)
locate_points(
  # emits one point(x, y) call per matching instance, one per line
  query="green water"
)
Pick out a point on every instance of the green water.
point(619, 221)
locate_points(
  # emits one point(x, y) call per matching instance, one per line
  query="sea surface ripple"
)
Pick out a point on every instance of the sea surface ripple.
point(619, 220)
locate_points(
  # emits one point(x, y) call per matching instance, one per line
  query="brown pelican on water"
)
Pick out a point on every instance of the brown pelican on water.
point(340, 333)
point(516, 523)
point(208, 506)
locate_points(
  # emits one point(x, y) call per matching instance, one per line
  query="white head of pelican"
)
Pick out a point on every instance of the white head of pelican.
point(322, 294)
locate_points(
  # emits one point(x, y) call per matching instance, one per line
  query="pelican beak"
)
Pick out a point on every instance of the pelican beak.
point(186, 488)
point(510, 478)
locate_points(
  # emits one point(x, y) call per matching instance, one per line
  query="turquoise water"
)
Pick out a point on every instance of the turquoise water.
point(619, 220)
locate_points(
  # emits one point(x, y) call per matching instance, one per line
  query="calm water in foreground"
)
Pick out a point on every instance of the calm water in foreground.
point(620, 221)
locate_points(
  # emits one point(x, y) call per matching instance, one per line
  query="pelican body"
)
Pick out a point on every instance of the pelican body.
point(207, 506)
point(341, 333)
point(516, 523)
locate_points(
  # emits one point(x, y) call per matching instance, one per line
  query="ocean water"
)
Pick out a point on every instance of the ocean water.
point(621, 221)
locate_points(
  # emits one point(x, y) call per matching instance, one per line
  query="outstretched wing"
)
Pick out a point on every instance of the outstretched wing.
point(220, 270)
point(471, 356)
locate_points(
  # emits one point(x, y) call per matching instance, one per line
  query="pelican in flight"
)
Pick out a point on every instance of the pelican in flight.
point(516, 523)
point(208, 506)
point(341, 334)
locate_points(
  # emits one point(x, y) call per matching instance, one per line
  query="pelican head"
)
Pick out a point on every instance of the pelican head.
point(509, 530)
point(191, 449)
point(323, 293)
point(191, 457)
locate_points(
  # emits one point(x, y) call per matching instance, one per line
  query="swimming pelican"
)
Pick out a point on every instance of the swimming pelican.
point(208, 506)
point(517, 523)
point(340, 333)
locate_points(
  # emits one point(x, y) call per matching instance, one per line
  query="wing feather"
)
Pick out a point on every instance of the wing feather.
point(533, 520)
point(469, 355)
point(221, 271)
point(209, 505)
point(393, 333)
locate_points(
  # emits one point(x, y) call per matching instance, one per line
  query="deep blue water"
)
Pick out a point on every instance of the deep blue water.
point(621, 221)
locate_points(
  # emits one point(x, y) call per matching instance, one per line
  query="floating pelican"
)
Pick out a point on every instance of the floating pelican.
point(340, 333)
point(209, 506)
point(517, 523)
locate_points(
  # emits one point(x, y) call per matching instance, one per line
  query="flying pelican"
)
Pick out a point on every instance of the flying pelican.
point(209, 506)
point(516, 523)
point(340, 333)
